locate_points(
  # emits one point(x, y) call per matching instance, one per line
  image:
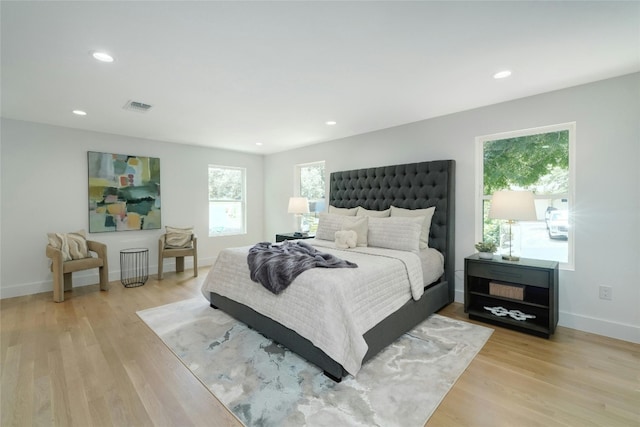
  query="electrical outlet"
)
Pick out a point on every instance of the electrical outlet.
point(606, 292)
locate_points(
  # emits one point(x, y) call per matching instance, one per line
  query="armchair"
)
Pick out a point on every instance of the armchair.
point(62, 269)
point(188, 249)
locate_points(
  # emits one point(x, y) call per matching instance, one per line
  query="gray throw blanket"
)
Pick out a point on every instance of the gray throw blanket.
point(276, 266)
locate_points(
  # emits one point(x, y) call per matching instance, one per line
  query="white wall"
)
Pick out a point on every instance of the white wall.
point(607, 203)
point(44, 189)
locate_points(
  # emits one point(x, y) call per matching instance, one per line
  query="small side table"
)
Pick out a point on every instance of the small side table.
point(134, 267)
point(281, 237)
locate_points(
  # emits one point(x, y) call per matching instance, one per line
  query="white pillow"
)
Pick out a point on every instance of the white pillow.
point(426, 226)
point(328, 224)
point(358, 224)
point(343, 211)
point(379, 214)
point(400, 233)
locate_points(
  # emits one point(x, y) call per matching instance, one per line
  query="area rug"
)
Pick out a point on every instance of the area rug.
point(264, 384)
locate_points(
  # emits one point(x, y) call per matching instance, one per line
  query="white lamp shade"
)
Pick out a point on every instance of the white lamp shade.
point(298, 205)
point(513, 205)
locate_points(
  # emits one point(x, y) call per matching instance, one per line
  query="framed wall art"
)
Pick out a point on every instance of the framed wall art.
point(124, 192)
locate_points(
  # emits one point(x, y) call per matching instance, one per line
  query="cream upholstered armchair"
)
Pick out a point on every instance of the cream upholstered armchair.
point(71, 252)
point(178, 243)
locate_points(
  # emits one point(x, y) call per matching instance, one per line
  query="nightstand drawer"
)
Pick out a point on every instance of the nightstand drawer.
point(522, 275)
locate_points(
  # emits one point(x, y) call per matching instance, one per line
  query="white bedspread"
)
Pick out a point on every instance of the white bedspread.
point(332, 308)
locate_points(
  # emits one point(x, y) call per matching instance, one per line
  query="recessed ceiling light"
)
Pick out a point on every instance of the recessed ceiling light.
point(102, 56)
point(330, 123)
point(502, 74)
point(259, 144)
point(79, 113)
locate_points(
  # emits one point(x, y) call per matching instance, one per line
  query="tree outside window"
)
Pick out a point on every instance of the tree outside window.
point(536, 160)
point(226, 201)
point(311, 178)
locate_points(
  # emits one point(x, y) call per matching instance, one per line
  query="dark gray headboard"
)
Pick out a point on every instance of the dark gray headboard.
point(409, 186)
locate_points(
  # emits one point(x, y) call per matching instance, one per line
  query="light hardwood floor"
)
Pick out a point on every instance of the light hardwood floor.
point(91, 361)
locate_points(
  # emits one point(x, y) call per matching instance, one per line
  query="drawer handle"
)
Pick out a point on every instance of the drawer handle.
point(505, 273)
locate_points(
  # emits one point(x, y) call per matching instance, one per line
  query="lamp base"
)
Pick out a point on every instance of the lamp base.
point(511, 258)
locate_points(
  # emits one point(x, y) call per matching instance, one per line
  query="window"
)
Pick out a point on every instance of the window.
point(538, 160)
point(310, 184)
point(226, 201)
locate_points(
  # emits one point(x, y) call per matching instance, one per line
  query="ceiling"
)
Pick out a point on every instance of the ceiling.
point(233, 74)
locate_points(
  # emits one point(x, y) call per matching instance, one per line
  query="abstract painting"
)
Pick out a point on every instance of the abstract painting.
point(124, 192)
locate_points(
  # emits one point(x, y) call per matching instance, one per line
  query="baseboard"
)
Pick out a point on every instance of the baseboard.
point(89, 277)
point(79, 279)
point(593, 325)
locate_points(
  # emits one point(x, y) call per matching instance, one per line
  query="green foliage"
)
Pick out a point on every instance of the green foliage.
point(523, 162)
point(486, 247)
point(312, 181)
point(225, 183)
point(539, 163)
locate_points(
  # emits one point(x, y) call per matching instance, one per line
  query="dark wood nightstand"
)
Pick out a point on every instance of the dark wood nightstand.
point(508, 293)
point(291, 236)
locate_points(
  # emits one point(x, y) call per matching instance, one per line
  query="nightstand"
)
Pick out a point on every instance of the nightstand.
point(520, 295)
point(290, 236)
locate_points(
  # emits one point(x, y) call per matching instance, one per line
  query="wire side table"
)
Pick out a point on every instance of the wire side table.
point(134, 267)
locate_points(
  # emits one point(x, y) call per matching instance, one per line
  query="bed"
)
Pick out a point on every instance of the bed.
point(413, 187)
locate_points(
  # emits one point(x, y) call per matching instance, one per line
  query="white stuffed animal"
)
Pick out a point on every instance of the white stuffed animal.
point(346, 239)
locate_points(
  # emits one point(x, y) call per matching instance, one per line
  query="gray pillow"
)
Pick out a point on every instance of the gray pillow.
point(400, 233)
point(378, 214)
point(358, 224)
point(328, 224)
point(343, 211)
point(427, 214)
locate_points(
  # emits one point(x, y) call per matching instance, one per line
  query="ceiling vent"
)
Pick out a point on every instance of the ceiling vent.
point(140, 107)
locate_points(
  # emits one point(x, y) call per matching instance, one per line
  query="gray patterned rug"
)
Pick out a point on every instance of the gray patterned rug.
point(264, 384)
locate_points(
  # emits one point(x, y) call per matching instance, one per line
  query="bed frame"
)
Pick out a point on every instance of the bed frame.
point(409, 186)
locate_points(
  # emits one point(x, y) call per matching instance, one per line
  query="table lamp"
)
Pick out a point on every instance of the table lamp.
point(298, 206)
point(512, 206)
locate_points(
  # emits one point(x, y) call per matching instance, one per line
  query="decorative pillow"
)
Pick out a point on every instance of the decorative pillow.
point(178, 237)
point(343, 211)
point(400, 233)
point(328, 224)
point(426, 226)
point(346, 239)
point(358, 224)
point(378, 214)
point(72, 245)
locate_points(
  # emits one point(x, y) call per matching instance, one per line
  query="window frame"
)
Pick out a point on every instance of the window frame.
point(571, 201)
point(243, 200)
point(298, 182)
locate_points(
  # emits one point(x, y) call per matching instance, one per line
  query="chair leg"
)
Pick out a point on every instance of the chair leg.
point(58, 285)
point(179, 264)
point(67, 282)
point(195, 265)
point(160, 265)
point(104, 278)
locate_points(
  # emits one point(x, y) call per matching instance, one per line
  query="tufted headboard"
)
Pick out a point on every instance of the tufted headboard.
point(409, 186)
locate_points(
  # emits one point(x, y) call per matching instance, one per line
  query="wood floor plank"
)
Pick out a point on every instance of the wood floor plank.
point(90, 361)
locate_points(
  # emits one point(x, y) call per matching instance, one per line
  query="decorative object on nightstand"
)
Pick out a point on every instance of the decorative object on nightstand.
point(486, 249)
point(512, 206)
point(298, 206)
point(281, 237)
point(521, 296)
